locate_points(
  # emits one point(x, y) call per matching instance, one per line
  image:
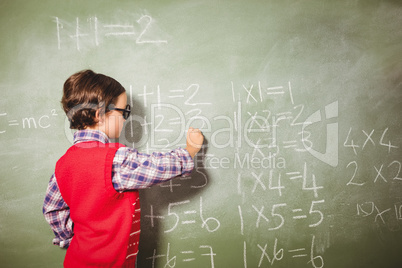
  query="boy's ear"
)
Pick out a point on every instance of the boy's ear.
point(99, 116)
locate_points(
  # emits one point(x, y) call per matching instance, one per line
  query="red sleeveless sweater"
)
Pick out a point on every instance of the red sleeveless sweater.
point(106, 223)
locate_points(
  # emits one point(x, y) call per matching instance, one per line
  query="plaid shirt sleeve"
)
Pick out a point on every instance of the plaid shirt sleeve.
point(135, 170)
point(57, 214)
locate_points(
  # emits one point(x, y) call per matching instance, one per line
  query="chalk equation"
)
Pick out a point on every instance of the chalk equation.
point(279, 253)
point(185, 256)
point(369, 140)
point(390, 216)
point(273, 179)
point(258, 92)
point(266, 254)
point(378, 176)
point(92, 32)
point(191, 217)
point(276, 219)
point(39, 122)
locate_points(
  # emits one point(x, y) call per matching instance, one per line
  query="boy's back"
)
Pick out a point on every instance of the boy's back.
point(84, 176)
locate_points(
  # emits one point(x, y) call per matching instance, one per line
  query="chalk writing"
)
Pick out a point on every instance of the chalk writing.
point(38, 122)
point(188, 217)
point(378, 177)
point(390, 216)
point(279, 253)
point(275, 219)
point(256, 93)
point(186, 256)
point(90, 32)
point(369, 141)
point(271, 181)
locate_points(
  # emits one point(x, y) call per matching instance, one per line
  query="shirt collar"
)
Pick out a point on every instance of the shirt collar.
point(90, 135)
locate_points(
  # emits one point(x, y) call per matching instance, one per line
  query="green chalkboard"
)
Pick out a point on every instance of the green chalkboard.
point(300, 103)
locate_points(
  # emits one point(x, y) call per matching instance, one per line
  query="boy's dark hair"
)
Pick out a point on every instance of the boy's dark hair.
point(84, 93)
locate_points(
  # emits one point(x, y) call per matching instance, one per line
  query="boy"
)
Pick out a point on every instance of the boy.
point(92, 201)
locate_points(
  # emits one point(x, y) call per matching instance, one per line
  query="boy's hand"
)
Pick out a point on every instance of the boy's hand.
point(194, 141)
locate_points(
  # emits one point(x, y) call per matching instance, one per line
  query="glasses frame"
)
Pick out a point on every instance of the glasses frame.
point(126, 112)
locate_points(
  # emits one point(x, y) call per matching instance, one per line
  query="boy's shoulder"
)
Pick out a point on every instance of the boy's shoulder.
point(91, 147)
point(89, 150)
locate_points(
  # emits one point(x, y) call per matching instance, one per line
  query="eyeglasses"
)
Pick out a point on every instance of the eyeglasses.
point(126, 112)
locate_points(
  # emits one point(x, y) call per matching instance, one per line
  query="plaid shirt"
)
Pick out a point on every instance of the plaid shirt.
point(131, 170)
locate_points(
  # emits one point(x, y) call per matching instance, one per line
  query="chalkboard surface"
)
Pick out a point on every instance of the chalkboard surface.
point(299, 101)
